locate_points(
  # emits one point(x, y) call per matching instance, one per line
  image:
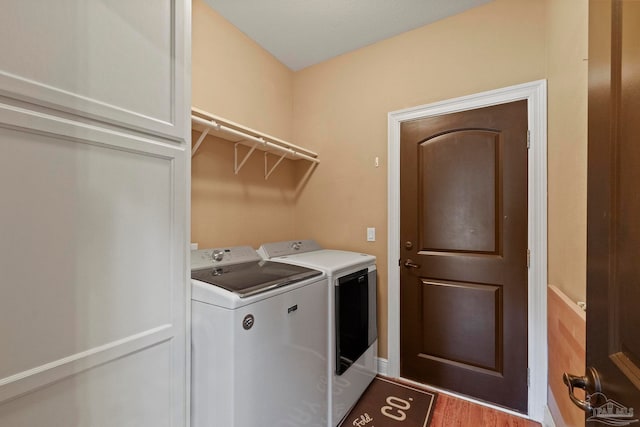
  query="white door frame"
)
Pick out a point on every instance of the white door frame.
point(536, 95)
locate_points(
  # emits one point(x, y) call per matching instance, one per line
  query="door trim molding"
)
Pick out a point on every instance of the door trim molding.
point(536, 95)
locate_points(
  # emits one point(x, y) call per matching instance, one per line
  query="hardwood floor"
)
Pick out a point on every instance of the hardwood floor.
point(454, 412)
point(451, 411)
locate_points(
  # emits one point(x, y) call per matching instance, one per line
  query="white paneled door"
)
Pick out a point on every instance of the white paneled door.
point(94, 167)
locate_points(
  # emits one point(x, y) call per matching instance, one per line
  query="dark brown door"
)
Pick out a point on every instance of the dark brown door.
point(613, 216)
point(463, 229)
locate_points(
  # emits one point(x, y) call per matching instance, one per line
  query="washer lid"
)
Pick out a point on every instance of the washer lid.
point(250, 278)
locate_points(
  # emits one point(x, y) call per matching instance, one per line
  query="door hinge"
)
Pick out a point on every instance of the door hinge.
point(528, 139)
point(528, 377)
point(528, 258)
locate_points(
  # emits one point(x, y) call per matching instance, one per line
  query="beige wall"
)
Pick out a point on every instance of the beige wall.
point(341, 106)
point(339, 109)
point(236, 79)
point(567, 51)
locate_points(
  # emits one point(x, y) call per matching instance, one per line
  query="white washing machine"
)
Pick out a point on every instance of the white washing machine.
point(353, 334)
point(259, 357)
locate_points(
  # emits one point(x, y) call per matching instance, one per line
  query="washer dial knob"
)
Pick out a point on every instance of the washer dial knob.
point(217, 255)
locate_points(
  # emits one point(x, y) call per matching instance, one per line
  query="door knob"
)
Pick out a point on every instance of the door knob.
point(410, 264)
point(590, 383)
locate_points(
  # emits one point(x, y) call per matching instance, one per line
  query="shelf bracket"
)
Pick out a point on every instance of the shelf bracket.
point(203, 135)
point(267, 171)
point(237, 166)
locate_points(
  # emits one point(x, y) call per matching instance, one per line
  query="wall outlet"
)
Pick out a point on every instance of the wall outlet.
point(371, 234)
point(194, 246)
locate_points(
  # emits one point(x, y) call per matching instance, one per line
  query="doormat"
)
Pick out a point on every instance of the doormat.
point(387, 403)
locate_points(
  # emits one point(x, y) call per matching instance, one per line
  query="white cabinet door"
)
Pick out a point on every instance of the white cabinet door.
point(120, 61)
point(94, 167)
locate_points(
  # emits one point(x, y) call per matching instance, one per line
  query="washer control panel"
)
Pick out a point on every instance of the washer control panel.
point(218, 257)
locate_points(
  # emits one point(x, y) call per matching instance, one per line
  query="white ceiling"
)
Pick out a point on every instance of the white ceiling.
point(301, 33)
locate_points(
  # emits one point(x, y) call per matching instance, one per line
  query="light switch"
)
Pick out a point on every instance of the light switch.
point(371, 234)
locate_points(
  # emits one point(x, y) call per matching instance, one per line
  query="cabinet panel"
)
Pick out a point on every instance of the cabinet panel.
point(110, 60)
point(126, 392)
point(92, 271)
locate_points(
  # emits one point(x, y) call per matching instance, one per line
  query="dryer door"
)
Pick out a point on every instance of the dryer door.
point(355, 313)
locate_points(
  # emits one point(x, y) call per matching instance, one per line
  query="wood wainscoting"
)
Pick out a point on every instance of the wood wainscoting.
point(567, 353)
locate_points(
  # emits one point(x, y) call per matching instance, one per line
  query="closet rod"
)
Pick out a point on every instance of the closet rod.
point(208, 116)
point(271, 146)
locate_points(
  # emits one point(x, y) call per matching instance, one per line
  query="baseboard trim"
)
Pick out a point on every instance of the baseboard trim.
point(548, 418)
point(383, 366)
point(554, 411)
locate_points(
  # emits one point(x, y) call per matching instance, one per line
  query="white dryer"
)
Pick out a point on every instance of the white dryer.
point(258, 355)
point(352, 326)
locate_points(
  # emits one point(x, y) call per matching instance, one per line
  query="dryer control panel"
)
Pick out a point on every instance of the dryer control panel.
point(290, 247)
